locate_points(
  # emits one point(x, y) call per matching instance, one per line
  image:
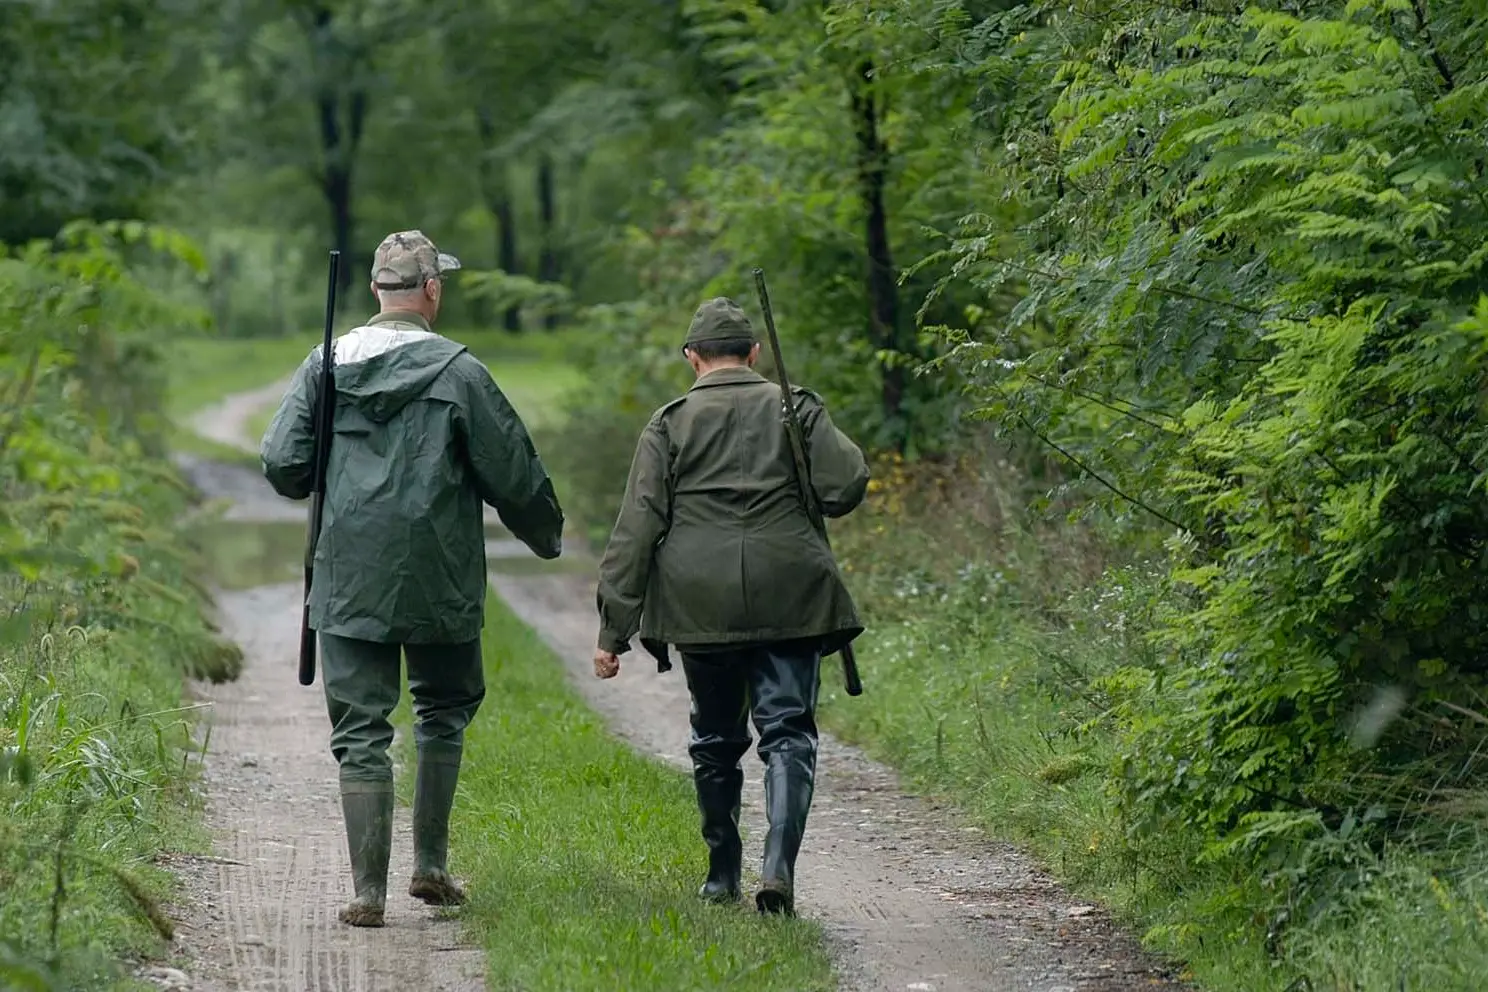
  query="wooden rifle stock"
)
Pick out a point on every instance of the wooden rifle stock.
point(325, 418)
point(798, 458)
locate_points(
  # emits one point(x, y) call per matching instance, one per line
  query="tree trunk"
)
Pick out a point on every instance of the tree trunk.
point(506, 252)
point(882, 288)
point(340, 135)
point(547, 263)
point(337, 186)
point(277, 316)
point(497, 191)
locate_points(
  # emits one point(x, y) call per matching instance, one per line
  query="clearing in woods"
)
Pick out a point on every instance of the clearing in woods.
point(906, 897)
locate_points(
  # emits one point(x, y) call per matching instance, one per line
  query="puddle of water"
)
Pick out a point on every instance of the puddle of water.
point(241, 555)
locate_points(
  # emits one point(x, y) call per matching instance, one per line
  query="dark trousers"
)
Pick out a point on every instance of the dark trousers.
point(777, 685)
point(363, 680)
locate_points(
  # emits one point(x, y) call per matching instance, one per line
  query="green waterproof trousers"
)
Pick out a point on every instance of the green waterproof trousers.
point(363, 681)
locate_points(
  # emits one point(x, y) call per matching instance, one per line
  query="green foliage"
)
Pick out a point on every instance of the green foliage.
point(505, 291)
point(1249, 312)
point(1213, 273)
point(1226, 269)
point(61, 158)
point(1000, 645)
point(632, 364)
point(99, 617)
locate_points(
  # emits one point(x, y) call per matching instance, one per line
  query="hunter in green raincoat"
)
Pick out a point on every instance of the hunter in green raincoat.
point(423, 438)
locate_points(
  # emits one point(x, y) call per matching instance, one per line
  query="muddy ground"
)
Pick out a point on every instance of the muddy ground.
point(911, 898)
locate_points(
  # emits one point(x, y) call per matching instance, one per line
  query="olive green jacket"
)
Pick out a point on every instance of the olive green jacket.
point(422, 437)
point(712, 546)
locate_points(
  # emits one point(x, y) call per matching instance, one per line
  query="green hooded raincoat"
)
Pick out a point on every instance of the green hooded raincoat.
point(422, 436)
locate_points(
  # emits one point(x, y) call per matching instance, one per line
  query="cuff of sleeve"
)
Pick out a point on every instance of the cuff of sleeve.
point(612, 642)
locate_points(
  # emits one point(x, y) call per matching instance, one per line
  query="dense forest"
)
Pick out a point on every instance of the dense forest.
point(1166, 320)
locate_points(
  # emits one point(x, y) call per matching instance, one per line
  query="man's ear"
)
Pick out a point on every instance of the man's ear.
point(373, 286)
point(754, 354)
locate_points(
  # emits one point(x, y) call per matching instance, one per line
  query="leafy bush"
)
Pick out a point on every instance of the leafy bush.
point(99, 617)
point(632, 366)
point(1256, 265)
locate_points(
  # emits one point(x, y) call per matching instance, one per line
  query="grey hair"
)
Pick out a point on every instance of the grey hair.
point(385, 296)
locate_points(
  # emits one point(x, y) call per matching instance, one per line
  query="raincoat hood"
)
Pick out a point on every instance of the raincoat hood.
point(388, 363)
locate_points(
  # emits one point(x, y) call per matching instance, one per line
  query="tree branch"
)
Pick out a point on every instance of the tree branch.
point(1125, 411)
point(1422, 25)
point(1155, 287)
point(1075, 461)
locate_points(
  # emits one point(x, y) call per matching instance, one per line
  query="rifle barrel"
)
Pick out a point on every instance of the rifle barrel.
point(325, 419)
point(797, 437)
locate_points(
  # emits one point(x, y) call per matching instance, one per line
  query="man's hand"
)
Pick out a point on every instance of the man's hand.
point(606, 664)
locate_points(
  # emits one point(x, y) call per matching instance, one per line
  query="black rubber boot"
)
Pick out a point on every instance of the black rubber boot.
point(789, 783)
point(368, 809)
point(718, 801)
point(433, 798)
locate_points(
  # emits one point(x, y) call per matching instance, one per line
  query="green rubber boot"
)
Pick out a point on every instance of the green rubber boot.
point(433, 797)
point(368, 808)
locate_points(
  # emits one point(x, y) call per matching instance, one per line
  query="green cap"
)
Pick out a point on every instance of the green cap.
point(408, 259)
point(719, 319)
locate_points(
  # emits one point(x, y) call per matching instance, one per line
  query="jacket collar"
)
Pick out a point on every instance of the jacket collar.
point(729, 375)
point(401, 317)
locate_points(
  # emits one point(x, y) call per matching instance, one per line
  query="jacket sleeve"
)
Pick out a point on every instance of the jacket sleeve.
point(504, 463)
point(839, 472)
point(645, 515)
point(287, 450)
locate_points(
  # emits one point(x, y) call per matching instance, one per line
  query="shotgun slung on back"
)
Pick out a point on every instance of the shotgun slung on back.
point(325, 418)
point(797, 438)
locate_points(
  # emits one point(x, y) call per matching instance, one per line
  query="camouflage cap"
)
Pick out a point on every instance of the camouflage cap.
point(407, 259)
point(719, 319)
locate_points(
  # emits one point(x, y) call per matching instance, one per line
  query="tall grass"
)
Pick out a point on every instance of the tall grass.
point(97, 763)
point(100, 619)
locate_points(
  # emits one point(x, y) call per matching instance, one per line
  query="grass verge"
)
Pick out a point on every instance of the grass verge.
point(583, 857)
point(100, 621)
point(203, 370)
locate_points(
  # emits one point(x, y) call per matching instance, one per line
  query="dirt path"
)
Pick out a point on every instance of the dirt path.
point(910, 898)
point(226, 421)
point(264, 916)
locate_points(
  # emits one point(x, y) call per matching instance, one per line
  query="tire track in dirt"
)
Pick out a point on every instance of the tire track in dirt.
point(263, 916)
point(911, 899)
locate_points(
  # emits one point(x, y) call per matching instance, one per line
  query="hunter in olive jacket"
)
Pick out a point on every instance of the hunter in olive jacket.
point(422, 436)
point(712, 546)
